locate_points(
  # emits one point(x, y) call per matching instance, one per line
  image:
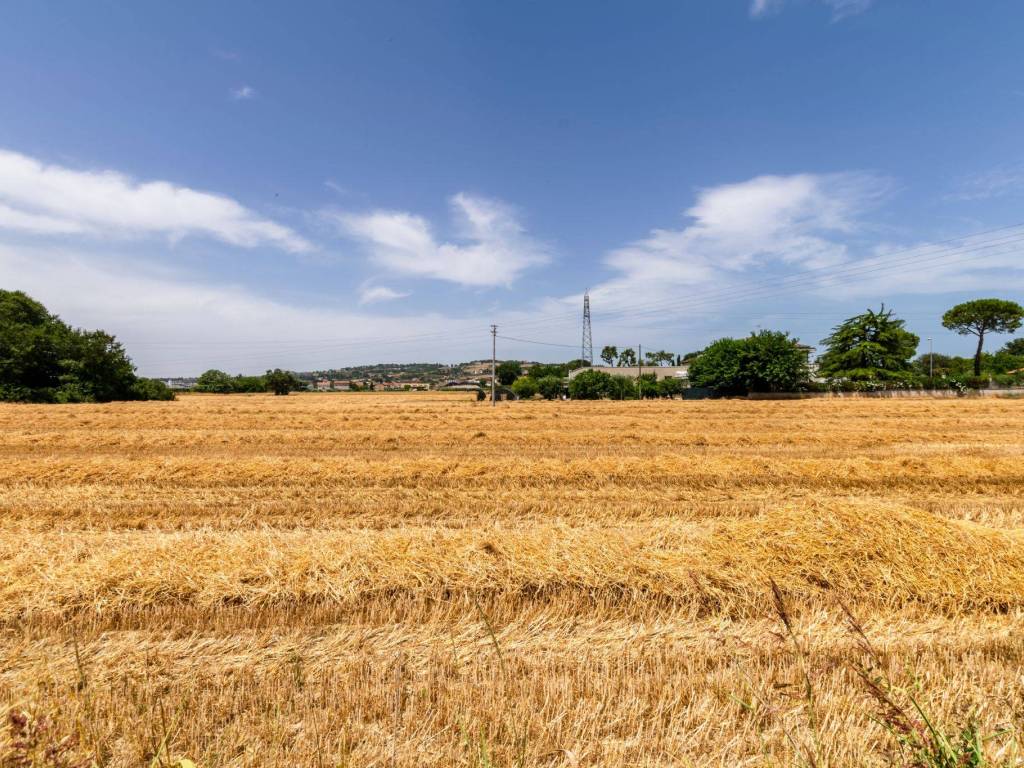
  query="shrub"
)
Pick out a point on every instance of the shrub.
point(525, 387)
point(550, 387)
point(215, 382)
point(152, 389)
point(670, 387)
point(591, 385)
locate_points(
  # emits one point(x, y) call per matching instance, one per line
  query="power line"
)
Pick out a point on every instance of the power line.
point(917, 254)
point(940, 254)
point(542, 343)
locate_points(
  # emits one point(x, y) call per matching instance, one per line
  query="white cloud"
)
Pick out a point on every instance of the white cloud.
point(244, 93)
point(53, 200)
point(840, 8)
point(495, 248)
point(174, 324)
point(371, 294)
point(767, 220)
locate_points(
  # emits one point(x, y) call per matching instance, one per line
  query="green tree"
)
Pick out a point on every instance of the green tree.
point(550, 387)
point(609, 355)
point(660, 358)
point(152, 389)
point(242, 383)
point(647, 384)
point(543, 370)
point(1002, 362)
point(282, 382)
point(942, 365)
point(32, 344)
point(873, 346)
point(622, 388)
point(983, 316)
point(590, 385)
point(572, 365)
point(670, 386)
point(43, 359)
point(97, 369)
point(215, 382)
point(508, 371)
point(1014, 347)
point(627, 357)
point(525, 387)
point(718, 368)
point(771, 361)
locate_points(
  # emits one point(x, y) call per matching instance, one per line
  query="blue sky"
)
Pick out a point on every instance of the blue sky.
point(246, 185)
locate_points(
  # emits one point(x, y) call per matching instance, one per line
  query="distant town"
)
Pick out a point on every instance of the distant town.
point(387, 377)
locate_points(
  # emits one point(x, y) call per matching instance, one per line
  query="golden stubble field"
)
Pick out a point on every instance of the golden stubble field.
point(422, 580)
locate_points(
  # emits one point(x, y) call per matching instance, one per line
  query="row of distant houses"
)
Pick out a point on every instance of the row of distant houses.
point(346, 385)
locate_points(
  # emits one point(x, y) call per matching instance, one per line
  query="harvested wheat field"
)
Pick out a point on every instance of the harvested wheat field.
point(423, 580)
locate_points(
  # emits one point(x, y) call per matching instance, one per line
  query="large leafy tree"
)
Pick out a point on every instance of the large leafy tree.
point(43, 359)
point(771, 361)
point(550, 387)
point(591, 385)
point(609, 355)
point(873, 346)
point(1014, 347)
point(983, 316)
point(97, 369)
point(718, 368)
point(32, 344)
point(282, 382)
point(525, 387)
point(767, 361)
point(214, 381)
point(508, 371)
point(544, 370)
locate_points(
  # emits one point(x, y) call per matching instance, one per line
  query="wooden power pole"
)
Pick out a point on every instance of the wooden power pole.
point(494, 352)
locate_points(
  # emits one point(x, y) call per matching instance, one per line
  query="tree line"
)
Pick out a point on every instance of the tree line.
point(870, 351)
point(217, 382)
point(45, 360)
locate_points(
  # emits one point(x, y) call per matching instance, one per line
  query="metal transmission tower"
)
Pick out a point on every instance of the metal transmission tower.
point(587, 353)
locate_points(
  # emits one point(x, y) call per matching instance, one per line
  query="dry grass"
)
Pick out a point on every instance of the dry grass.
point(409, 580)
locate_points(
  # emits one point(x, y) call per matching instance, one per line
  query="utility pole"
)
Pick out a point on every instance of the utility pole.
point(494, 354)
point(931, 363)
point(639, 367)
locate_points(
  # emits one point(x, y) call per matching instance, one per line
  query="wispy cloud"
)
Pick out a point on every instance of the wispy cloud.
point(974, 263)
point(244, 93)
point(840, 8)
point(372, 294)
point(41, 199)
point(800, 220)
point(494, 248)
point(996, 182)
point(336, 187)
